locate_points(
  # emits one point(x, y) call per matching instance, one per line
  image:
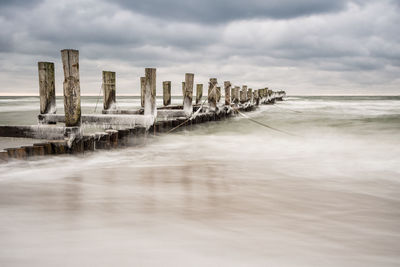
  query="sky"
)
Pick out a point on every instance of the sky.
point(305, 47)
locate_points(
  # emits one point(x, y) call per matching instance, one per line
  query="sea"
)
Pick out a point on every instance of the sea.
point(309, 181)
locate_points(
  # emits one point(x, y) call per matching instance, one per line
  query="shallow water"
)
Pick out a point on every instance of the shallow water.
point(229, 193)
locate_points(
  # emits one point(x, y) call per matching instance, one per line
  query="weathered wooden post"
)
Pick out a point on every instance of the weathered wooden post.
point(259, 95)
point(218, 94)
point(142, 90)
point(188, 94)
point(72, 90)
point(47, 89)
point(256, 97)
point(235, 94)
point(212, 95)
point(227, 86)
point(244, 88)
point(243, 96)
point(167, 93)
point(269, 94)
point(199, 93)
point(250, 95)
point(183, 92)
point(109, 90)
point(150, 107)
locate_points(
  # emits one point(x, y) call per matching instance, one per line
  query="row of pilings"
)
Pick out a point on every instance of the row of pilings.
point(122, 128)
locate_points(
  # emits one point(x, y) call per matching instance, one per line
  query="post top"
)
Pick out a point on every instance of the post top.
point(72, 50)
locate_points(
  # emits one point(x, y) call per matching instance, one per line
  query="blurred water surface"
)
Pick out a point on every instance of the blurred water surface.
point(228, 193)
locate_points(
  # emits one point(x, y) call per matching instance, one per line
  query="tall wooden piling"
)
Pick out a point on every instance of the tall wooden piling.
point(72, 90)
point(235, 94)
point(243, 96)
point(227, 87)
point(47, 89)
point(142, 90)
point(256, 97)
point(250, 95)
point(183, 92)
point(212, 95)
point(218, 94)
point(199, 93)
point(244, 89)
point(188, 94)
point(150, 107)
point(167, 93)
point(109, 90)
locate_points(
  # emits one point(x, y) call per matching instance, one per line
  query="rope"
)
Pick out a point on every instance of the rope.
point(197, 111)
point(265, 125)
point(101, 89)
point(236, 109)
point(287, 109)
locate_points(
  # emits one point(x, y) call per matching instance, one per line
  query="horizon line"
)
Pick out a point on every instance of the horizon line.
point(138, 95)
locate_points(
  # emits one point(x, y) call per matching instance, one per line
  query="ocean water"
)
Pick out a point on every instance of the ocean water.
point(323, 189)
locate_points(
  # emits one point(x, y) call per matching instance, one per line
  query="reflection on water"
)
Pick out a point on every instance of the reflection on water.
point(223, 194)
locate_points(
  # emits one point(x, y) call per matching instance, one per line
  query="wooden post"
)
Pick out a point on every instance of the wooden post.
point(150, 107)
point(256, 97)
point(72, 90)
point(47, 89)
point(113, 138)
point(183, 92)
point(235, 94)
point(227, 86)
point(188, 94)
point(212, 95)
point(142, 90)
point(167, 93)
point(250, 95)
point(109, 90)
point(218, 94)
point(199, 93)
point(243, 95)
point(244, 89)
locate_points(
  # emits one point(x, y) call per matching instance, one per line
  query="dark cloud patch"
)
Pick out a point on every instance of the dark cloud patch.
point(20, 3)
point(222, 11)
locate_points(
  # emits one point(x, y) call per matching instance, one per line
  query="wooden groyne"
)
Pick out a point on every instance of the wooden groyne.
point(65, 134)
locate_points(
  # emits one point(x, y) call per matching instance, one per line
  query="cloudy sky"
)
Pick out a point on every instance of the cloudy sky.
point(302, 46)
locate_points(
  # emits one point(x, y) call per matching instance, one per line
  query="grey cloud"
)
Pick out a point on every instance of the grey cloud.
point(233, 40)
point(20, 3)
point(222, 11)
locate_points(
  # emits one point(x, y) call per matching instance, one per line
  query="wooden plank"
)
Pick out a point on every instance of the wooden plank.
point(103, 119)
point(34, 131)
